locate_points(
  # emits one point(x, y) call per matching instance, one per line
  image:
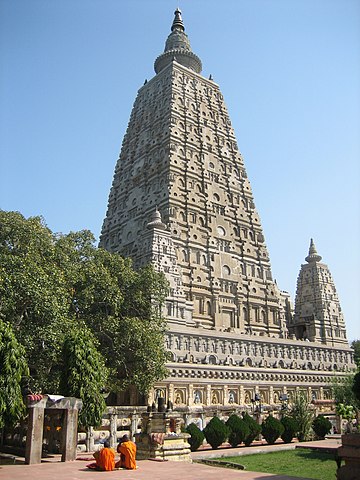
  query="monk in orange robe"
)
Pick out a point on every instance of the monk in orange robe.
point(127, 450)
point(105, 458)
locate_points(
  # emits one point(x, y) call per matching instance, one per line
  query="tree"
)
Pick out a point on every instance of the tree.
point(356, 386)
point(34, 296)
point(343, 393)
point(50, 282)
point(13, 368)
point(216, 432)
point(239, 430)
point(271, 429)
point(84, 374)
point(355, 345)
point(303, 415)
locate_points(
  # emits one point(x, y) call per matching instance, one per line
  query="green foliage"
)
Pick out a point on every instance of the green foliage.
point(239, 430)
point(347, 412)
point(197, 436)
point(13, 368)
point(271, 429)
point(343, 392)
point(216, 432)
point(84, 374)
point(254, 429)
point(33, 294)
point(50, 282)
point(302, 413)
point(290, 429)
point(321, 426)
point(356, 386)
point(355, 345)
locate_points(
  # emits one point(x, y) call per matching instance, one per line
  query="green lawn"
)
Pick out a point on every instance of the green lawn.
point(296, 463)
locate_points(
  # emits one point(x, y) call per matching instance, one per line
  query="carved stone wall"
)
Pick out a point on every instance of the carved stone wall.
point(212, 367)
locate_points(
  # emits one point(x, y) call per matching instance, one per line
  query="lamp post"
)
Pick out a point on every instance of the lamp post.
point(256, 402)
point(284, 402)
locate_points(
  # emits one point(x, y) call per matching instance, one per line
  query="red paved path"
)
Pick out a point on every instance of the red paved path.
point(150, 470)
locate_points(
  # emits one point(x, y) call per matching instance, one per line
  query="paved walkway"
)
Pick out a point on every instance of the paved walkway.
point(152, 470)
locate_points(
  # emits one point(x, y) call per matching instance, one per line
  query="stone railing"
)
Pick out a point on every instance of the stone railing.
point(117, 421)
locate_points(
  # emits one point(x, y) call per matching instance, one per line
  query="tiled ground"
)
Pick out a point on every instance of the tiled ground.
point(150, 470)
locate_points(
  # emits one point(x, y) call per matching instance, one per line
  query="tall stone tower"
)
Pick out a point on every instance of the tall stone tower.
point(318, 316)
point(181, 199)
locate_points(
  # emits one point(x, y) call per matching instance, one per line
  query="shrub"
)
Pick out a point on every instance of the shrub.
point(238, 430)
point(303, 414)
point(254, 429)
point(272, 429)
point(197, 436)
point(216, 432)
point(321, 426)
point(290, 429)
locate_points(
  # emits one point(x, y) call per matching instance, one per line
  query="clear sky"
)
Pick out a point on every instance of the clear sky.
point(289, 71)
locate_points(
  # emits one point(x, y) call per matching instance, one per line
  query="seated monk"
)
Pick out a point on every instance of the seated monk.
point(105, 459)
point(127, 450)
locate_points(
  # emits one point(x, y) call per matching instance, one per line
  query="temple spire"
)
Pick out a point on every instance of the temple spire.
point(313, 255)
point(178, 24)
point(177, 47)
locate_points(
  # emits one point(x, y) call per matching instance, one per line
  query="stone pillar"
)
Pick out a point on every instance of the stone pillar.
point(171, 392)
point(190, 395)
point(90, 443)
point(271, 395)
point(34, 436)
point(113, 430)
point(134, 425)
point(69, 438)
point(226, 395)
point(241, 395)
point(350, 452)
point(208, 395)
point(309, 394)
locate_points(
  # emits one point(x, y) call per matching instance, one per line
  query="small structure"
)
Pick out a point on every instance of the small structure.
point(38, 405)
point(350, 452)
point(161, 437)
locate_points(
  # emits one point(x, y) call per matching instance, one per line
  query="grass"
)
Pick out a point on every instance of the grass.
point(295, 463)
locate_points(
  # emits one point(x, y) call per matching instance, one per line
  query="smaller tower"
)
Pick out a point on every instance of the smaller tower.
point(318, 316)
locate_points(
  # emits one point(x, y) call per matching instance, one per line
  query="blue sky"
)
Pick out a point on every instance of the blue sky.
point(289, 71)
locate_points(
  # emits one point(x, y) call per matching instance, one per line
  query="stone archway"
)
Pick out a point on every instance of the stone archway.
point(37, 406)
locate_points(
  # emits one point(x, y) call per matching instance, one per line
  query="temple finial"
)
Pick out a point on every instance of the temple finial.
point(155, 221)
point(178, 44)
point(178, 24)
point(313, 255)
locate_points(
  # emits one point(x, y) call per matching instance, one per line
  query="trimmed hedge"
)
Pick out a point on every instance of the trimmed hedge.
point(216, 432)
point(239, 430)
point(254, 429)
point(321, 426)
point(197, 436)
point(271, 429)
point(290, 429)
